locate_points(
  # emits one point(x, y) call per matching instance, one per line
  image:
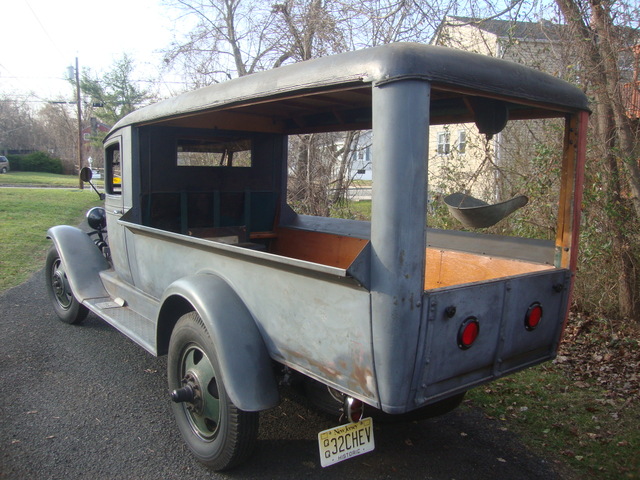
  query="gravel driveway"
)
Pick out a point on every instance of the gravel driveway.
point(84, 402)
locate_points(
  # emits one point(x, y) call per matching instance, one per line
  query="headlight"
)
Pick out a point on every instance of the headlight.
point(97, 218)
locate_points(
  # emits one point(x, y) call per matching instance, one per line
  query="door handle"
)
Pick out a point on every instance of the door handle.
point(117, 212)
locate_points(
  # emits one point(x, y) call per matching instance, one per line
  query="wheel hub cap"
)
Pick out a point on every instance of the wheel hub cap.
point(61, 287)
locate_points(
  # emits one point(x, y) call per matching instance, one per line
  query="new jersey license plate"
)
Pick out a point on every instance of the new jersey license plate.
point(346, 441)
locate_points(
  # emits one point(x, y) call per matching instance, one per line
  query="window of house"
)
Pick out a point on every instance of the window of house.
point(222, 152)
point(113, 166)
point(462, 141)
point(444, 146)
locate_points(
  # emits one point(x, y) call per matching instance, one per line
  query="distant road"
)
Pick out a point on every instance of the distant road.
point(84, 402)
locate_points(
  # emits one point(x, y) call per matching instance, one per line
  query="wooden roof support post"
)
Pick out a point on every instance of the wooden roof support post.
point(571, 186)
point(581, 145)
point(569, 213)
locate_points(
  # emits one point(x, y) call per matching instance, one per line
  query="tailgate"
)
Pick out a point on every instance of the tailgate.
point(504, 344)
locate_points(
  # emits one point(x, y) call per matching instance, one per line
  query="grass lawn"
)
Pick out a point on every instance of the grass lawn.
point(578, 423)
point(25, 216)
point(354, 210)
point(38, 179)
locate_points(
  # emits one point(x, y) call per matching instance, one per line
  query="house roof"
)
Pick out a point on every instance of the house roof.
point(444, 67)
point(99, 126)
point(544, 30)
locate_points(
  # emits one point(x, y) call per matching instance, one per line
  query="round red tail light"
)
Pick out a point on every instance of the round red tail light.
point(533, 316)
point(468, 332)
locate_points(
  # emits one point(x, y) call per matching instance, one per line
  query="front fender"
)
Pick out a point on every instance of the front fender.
point(82, 261)
point(242, 354)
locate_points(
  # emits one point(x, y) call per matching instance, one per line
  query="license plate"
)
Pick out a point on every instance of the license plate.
point(346, 441)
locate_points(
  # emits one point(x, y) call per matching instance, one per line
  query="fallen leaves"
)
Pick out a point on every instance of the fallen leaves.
point(602, 353)
point(584, 407)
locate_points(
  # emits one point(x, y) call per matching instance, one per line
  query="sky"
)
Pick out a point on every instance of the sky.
point(41, 38)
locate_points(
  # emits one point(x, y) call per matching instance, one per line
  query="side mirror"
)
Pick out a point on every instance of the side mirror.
point(86, 175)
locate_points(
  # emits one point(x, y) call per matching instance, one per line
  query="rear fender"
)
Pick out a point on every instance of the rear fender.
point(82, 261)
point(243, 357)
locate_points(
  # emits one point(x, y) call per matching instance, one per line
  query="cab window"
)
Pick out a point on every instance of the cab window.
point(113, 177)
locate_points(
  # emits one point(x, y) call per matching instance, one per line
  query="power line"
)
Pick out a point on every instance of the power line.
point(18, 77)
point(44, 29)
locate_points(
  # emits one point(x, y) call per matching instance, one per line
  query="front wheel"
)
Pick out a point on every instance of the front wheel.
point(219, 434)
point(59, 290)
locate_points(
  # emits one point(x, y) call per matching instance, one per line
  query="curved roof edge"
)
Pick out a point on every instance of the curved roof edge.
point(376, 65)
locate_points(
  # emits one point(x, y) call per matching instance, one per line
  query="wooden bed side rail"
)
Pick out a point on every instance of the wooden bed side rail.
point(448, 267)
point(262, 235)
point(324, 248)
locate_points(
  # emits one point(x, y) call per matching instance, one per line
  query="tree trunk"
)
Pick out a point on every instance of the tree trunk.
point(627, 147)
point(598, 53)
point(342, 182)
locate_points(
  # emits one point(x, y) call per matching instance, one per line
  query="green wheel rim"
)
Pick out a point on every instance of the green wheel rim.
point(204, 412)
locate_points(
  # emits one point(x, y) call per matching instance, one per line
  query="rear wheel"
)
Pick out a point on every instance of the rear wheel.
point(59, 290)
point(219, 434)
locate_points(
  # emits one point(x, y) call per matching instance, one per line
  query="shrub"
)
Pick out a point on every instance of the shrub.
point(36, 162)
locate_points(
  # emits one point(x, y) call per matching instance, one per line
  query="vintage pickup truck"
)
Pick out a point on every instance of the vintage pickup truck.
point(199, 256)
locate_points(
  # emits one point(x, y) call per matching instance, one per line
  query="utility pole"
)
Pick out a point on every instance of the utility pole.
point(79, 108)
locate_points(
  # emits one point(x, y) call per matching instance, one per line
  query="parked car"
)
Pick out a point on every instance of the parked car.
point(4, 164)
point(199, 256)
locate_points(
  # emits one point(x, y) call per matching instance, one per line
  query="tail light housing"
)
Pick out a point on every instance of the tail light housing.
point(533, 317)
point(468, 333)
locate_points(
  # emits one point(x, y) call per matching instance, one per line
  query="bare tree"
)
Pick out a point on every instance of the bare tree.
point(238, 37)
point(602, 32)
point(230, 38)
point(226, 39)
point(60, 137)
point(600, 42)
point(19, 129)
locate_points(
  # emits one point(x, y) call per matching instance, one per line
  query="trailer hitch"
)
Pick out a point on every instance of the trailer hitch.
point(353, 409)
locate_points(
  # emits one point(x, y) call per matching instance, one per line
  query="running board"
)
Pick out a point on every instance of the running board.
point(138, 328)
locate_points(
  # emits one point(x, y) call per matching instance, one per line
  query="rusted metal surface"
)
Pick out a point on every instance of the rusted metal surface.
point(312, 317)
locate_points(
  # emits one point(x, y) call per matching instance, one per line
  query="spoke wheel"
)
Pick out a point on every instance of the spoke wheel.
point(219, 434)
point(65, 304)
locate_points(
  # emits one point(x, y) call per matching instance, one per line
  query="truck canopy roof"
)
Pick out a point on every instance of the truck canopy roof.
point(334, 92)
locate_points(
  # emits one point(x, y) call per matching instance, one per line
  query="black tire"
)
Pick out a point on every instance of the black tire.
point(65, 304)
point(4, 170)
point(219, 434)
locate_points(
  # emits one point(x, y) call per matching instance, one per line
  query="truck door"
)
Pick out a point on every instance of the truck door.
point(115, 186)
